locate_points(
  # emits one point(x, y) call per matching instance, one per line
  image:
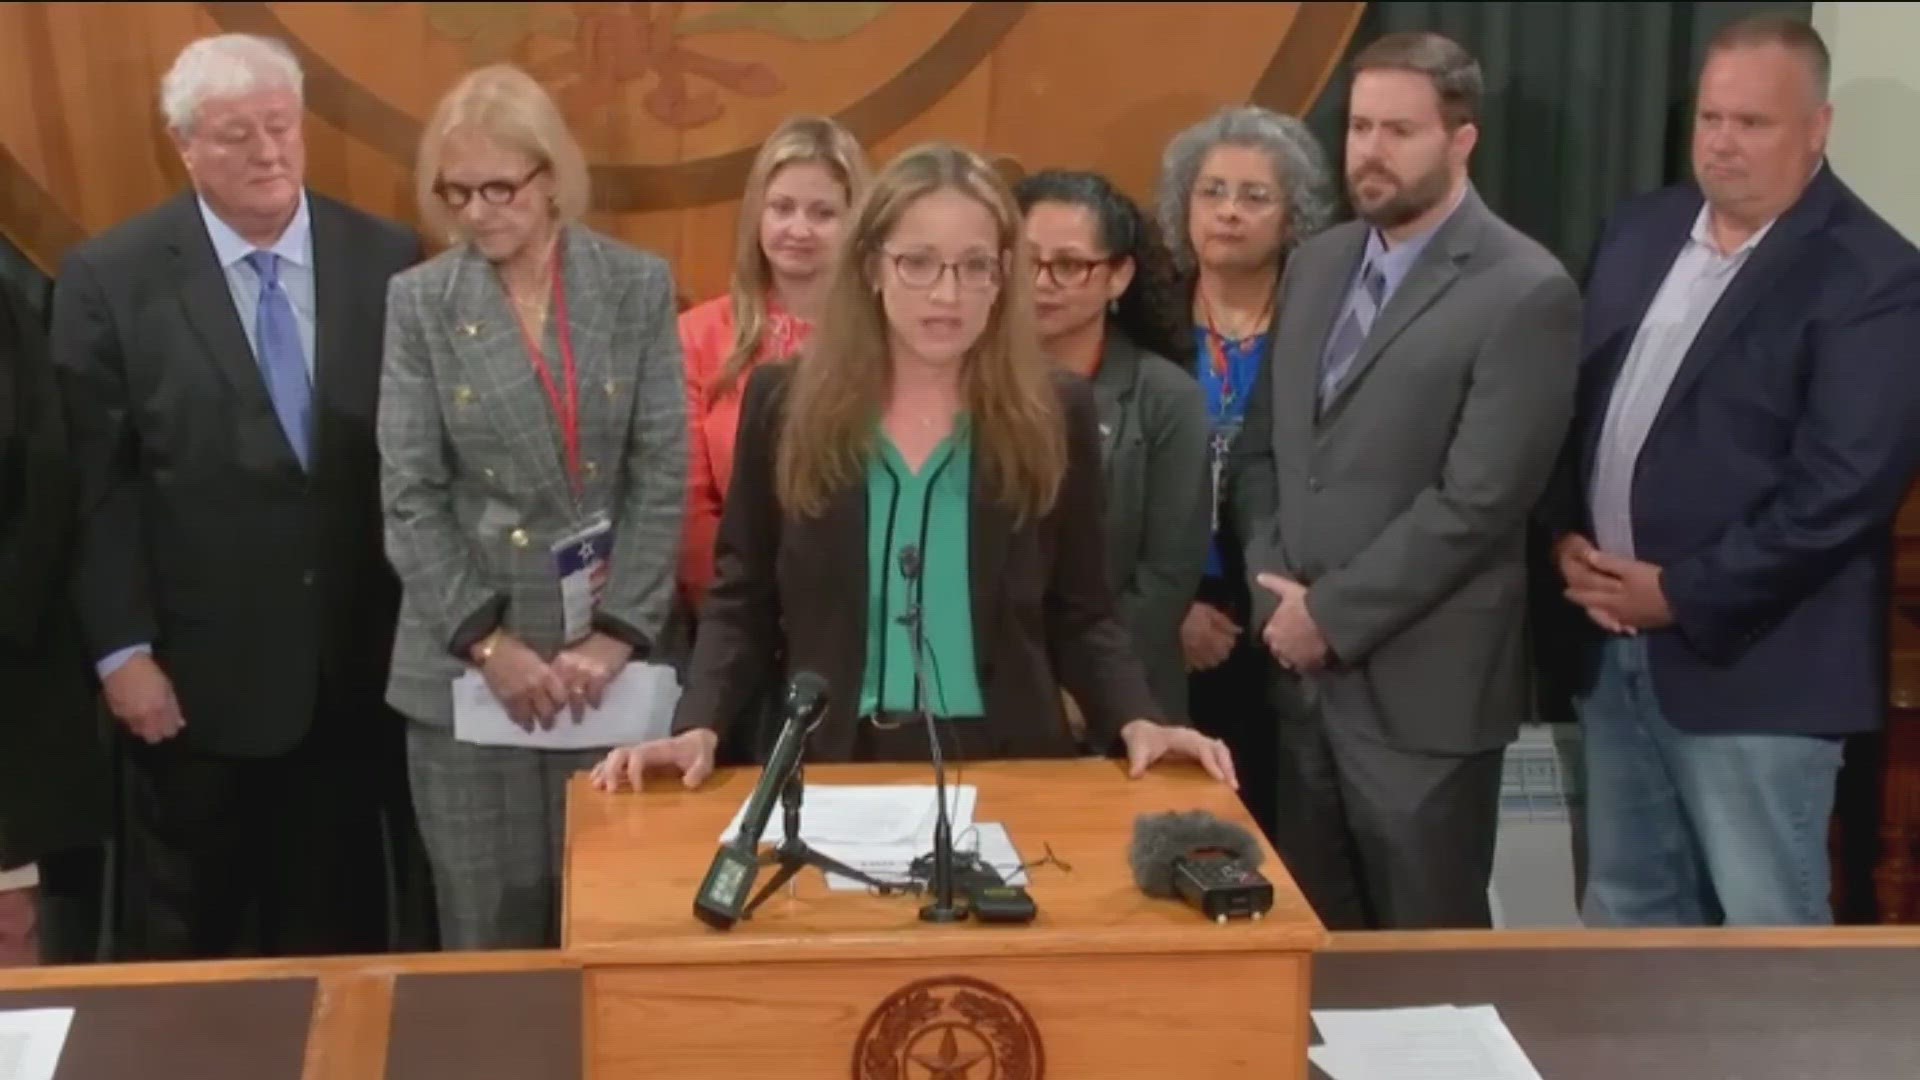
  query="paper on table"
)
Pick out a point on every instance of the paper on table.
point(1359, 1025)
point(836, 816)
point(31, 1041)
point(1436, 1043)
point(1506, 1049)
point(988, 840)
point(638, 706)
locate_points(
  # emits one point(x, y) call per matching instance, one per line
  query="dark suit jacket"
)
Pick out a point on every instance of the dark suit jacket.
point(1402, 504)
point(1768, 484)
point(200, 532)
point(53, 762)
point(794, 589)
point(1153, 443)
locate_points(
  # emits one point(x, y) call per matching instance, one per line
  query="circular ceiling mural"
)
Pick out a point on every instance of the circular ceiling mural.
point(669, 100)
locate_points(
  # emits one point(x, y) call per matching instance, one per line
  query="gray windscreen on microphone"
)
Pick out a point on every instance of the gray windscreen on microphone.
point(1161, 839)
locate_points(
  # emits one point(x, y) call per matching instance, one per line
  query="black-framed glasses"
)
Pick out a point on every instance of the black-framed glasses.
point(924, 269)
point(1069, 271)
point(493, 192)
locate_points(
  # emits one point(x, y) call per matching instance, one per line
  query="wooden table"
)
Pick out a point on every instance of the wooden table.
point(1586, 1005)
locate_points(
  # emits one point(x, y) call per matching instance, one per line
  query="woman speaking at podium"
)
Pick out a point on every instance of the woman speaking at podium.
point(915, 513)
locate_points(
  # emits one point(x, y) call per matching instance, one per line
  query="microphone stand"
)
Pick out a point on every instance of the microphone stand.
point(795, 854)
point(941, 908)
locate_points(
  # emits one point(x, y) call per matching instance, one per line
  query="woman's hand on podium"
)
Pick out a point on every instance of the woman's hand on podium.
point(1148, 742)
point(689, 753)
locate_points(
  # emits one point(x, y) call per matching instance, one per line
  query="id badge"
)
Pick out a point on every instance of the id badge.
point(581, 561)
point(1219, 450)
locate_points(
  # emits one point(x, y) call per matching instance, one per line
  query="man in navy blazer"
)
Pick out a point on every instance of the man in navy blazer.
point(1748, 418)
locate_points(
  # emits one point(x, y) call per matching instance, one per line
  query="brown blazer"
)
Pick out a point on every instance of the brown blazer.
point(789, 595)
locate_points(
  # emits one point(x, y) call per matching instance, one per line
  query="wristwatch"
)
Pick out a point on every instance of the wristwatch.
point(483, 652)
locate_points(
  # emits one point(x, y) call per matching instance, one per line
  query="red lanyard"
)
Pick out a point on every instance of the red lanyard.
point(567, 408)
point(1217, 352)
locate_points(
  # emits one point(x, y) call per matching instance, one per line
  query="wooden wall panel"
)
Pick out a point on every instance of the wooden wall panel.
point(670, 100)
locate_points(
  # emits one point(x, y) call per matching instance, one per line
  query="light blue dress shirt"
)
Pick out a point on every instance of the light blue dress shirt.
point(1395, 262)
point(295, 249)
point(1695, 281)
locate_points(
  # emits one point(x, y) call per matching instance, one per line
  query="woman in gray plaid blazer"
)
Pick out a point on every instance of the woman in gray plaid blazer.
point(531, 408)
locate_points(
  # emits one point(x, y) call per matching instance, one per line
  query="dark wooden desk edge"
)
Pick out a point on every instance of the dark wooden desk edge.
point(552, 959)
point(391, 966)
point(1794, 938)
point(351, 1027)
point(323, 968)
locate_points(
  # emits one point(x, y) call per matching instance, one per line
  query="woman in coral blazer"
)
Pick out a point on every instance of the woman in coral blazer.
point(808, 175)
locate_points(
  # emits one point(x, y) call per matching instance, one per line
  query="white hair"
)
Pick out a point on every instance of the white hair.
point(228, 65)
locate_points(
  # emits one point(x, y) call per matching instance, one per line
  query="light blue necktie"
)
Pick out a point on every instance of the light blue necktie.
point(283, 361)
point(1351, 334)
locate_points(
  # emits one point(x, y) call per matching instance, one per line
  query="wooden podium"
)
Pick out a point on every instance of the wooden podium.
point(1106, 983)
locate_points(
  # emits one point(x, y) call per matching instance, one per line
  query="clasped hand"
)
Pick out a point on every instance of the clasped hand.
point(536, 693)
point(1291, 635)
point(690, 754)
point(1620, 595)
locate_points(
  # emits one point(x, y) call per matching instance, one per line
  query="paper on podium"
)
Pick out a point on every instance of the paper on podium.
point(988, 840)
point(838, 816)
point(31, 1041)
point(1435, 1043)
point(638, 706)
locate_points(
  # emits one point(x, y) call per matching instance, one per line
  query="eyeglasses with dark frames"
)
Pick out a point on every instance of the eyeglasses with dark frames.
point(1069, 271)
point(493, 192)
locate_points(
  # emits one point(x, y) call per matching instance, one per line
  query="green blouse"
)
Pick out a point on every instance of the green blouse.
point(927, 512)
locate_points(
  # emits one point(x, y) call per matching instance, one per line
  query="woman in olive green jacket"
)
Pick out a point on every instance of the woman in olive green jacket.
point(1109, 309)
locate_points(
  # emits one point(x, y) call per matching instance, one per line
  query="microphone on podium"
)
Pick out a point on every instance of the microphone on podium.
point(941, 908)
point(722, 899)
point(1211, 864)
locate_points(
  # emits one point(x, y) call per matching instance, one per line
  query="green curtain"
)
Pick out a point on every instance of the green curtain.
point(1586, 103)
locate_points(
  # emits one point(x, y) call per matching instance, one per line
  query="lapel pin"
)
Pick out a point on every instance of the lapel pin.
point(611, 387)
point(1106, 430)
point(471, 329)
point(462, 395)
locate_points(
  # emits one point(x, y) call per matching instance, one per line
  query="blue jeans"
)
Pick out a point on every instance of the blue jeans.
point(1698, 830)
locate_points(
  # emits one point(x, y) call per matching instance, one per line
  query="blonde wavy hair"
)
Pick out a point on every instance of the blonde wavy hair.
point(836, 396)
point(800, 140)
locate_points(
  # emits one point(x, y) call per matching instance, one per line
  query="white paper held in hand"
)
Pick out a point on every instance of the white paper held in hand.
point(638, 706)
point(31, 1041)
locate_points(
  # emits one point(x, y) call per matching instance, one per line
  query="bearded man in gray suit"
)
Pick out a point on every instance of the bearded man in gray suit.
point(1421, 384)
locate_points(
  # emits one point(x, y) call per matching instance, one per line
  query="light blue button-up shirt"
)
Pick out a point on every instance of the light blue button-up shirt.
point(295, 249)
point(1699, 276)
point(1395, 263)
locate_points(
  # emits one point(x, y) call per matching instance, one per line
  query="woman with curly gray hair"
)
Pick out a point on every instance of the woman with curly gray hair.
point(1238, 191)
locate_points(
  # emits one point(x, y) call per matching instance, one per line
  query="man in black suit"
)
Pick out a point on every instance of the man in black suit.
point(220, 356)
point(54, 767)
